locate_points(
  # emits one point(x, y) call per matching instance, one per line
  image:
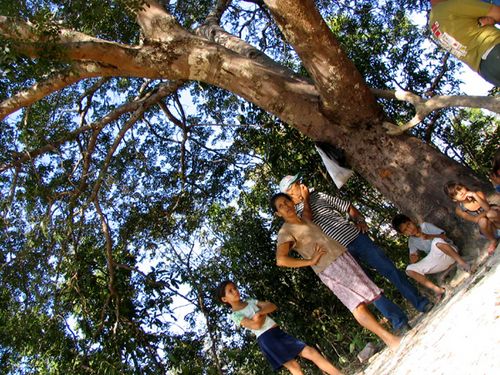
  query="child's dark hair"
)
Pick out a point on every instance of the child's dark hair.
point(272, 201)
point(221, 291)
point(451, 188)
point(398, 220)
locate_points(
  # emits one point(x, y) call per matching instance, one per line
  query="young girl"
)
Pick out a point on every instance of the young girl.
point(279, 348)
point(331, 261)
point(473, 206)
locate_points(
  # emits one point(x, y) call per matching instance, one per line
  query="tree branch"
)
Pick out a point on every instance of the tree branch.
point(110, 263)
point(212, 31)
point(431, 126)
point(185, 135)
point(13, 187)
point(341, 86)
point(88, 94)
point(54, 83)
point(170, 52)
point(162, 91)
point(124, 129)
point(229, 57)
point(424, 107)
point(141, 108)
point(157, 24)
point(437, 79)
point(18, 30)
point(217, 11)
point(69, 45)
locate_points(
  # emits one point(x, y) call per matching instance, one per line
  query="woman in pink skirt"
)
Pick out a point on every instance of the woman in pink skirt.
point(331, 262)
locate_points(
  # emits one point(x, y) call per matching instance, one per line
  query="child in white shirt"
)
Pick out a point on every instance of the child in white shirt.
point(441, 253)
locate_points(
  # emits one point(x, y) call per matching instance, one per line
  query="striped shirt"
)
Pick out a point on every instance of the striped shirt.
point(331, 215)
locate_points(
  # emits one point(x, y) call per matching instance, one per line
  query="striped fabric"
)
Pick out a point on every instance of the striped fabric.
point(331, 215)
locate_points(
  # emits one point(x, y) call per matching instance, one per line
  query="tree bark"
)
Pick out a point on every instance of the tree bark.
point(344, 94)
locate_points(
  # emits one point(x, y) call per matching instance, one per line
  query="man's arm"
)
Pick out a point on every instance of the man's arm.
point(491, 18)
point(306, 210)
point(494, 13)
point(358, 219)
point(429, 231)
point(434, 2)
point(283, 259)
point(427, 236)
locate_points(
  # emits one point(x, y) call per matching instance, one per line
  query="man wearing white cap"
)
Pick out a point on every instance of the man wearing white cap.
point(329, 213)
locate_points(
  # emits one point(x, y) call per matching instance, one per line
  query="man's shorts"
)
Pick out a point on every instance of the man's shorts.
point(489, 68)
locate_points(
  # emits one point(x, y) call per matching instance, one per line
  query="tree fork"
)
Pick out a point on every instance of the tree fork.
point(345, 96)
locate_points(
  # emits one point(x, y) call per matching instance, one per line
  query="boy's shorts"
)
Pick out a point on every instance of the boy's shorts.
point(494, 2)
point(434, 262)
point(489, 68)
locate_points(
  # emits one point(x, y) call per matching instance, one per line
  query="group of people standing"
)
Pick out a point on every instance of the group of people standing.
point(330, 235)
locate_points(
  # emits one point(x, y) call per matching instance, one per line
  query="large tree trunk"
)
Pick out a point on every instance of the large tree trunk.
point(411, 174)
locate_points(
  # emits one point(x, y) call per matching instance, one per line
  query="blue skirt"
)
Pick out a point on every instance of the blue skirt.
point(279, 347)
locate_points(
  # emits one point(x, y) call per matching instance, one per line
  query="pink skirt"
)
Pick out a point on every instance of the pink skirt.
point(349, 283)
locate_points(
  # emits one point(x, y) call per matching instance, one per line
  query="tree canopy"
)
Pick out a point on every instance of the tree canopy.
point(140, 142)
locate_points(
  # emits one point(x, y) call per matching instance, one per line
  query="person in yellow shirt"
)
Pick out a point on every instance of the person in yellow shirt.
point(466, 29)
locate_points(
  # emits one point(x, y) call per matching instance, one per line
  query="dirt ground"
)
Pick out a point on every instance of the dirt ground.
point(460, 336)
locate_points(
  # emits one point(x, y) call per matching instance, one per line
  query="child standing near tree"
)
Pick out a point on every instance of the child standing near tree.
point(473, 206)
point(428, 238)
point(279, 348)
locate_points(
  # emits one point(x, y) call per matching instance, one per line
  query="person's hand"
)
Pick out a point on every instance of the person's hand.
point(259, 317)
point(466, 267)
point(318, 253)
point(361, 224)
point(304, 191)
point(486, 21)
point(471, 196)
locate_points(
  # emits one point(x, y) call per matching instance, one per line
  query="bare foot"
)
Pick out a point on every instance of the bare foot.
point(492, 247)
point(440, 292)
point(394, 342)
point(440, 296)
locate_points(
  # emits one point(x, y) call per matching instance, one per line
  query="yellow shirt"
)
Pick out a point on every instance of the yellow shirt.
point(454, 24)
